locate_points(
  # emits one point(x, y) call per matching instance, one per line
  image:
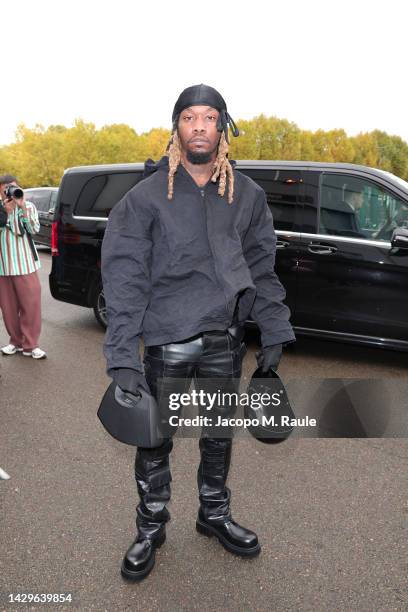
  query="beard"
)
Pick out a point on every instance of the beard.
point(200, 157)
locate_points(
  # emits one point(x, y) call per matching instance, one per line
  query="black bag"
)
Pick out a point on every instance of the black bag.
point(274, 420)
point(129, 419)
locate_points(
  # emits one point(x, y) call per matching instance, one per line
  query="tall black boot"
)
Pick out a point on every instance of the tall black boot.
point(214, 515)
point(212, 476)
point(153, 477)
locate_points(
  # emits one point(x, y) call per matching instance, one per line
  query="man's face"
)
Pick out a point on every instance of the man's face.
point(198, 134)
point(358, 200)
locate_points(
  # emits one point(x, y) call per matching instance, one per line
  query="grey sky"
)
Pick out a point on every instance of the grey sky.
point(320, 64)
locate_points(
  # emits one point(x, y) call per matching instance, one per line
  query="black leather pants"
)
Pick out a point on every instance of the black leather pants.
point(209, 355)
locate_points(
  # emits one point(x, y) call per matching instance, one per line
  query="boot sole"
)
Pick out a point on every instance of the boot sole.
point(135, 576)
point(209, 531)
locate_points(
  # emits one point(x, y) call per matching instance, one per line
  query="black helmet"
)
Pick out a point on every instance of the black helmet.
point(129, 419)
point(274, 420)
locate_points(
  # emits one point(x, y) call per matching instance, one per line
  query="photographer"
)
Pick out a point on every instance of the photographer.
point(20, 289)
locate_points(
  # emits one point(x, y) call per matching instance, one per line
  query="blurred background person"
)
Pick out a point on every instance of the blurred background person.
point(20, 289)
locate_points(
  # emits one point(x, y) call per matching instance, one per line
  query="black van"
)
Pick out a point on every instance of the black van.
point(342, 244)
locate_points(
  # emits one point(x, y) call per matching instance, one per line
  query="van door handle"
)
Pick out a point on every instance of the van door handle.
point(281, 244)
point(321, 249)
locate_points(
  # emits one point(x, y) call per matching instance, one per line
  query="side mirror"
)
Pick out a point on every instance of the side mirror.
point(51, 212)
point(399, 238)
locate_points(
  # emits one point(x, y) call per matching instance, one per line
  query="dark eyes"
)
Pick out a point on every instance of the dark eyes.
point(189, 117)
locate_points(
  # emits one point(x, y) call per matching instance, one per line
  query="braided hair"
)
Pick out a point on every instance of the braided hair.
point(222, 167)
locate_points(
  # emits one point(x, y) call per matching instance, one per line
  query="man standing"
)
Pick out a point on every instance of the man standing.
point(187, 257)
point(20, 289)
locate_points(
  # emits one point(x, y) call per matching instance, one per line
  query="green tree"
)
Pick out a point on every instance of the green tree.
point(39, 156)
point(116, 144)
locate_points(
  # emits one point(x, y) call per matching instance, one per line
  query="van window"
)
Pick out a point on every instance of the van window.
point(40, 199)
point(282, 194)
point(356, 207)
point(100, 194)
point(54, 197)
point(309, 199)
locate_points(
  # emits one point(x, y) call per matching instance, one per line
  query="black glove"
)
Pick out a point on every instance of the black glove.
point(129, 380)
point(269, 357)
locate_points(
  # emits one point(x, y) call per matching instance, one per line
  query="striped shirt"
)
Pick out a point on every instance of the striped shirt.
point(16, 257)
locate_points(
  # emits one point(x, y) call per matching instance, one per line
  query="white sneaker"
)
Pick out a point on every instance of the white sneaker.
point(36, 353)
point(10, 349)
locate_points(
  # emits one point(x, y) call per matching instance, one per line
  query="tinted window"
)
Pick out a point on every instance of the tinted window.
point(40, 199)
point(54, 196)
point(355, 207)
point(100, 194)
point(309, 200)
point(45, 199)
point(282, 194)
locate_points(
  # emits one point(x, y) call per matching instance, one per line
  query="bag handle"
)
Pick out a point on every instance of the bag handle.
point(29, 237)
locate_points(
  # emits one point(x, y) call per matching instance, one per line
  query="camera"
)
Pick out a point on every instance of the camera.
point(13, 191)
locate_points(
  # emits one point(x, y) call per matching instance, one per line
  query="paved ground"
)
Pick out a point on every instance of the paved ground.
point(332, 514)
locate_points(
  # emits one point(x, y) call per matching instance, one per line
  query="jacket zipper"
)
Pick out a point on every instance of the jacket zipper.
point(202, 191)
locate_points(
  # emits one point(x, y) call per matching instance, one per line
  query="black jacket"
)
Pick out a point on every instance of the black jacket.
point(174, 268)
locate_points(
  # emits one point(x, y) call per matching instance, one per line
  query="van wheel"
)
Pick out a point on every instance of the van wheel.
point(100, 308)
